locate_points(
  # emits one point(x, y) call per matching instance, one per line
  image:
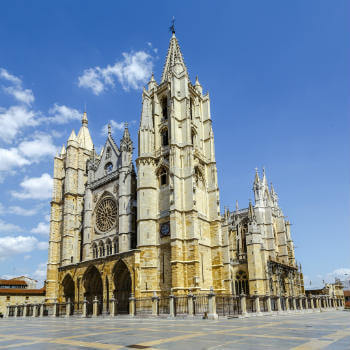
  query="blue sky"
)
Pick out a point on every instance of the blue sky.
point(278, 76)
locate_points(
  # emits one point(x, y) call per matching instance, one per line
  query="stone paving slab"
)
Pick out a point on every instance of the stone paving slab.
point(310, 331)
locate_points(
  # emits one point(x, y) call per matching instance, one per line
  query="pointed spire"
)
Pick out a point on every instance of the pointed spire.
point(84, 120)
point(174, 56)
point(198, 86)
point(146, 115)
point(125, 142)
point(63, 151)
point(73, 136)
point(250, 211)
point(152, 83)
point(256, 179)
point(264, 181)
point(126, 135)
point(84, 137)
point(237, 205)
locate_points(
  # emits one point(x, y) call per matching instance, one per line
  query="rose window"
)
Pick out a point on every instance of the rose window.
point(106, 215)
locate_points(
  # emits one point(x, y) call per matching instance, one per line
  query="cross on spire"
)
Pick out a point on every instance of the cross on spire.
point(172, 27)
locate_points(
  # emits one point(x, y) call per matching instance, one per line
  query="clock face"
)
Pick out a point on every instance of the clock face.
point(165, 229)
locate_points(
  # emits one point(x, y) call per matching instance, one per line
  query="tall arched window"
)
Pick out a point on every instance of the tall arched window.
point(94, 251)
point(101, 249)
point(109, 247)
point(241, 283)
point(191, 108)
point(165, 137)
point(115, 246)
point(163, 177)
point(165, 107)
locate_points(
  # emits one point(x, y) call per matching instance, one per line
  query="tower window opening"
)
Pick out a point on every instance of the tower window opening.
point(163, 177)
point(165, 139)
point(165, 108)
point(108, 168)
point(191, 109)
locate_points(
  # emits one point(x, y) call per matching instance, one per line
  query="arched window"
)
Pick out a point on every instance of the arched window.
point(191, 108)
point(101, 249)
point(115, 246)
point(165, 107)
point(241, 283)
point(108, 168)
point(109, 247)
point(163, 177)
point(94, 251)
point(165, 137)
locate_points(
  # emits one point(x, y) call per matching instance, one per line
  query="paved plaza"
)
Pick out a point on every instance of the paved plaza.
point(309, 331)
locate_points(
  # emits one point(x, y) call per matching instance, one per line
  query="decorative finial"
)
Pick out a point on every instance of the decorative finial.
point(109, 129)
point(84, 120)
point(126, 124)
point(172, 27)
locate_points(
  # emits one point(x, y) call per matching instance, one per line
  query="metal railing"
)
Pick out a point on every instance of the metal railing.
point(228, 305)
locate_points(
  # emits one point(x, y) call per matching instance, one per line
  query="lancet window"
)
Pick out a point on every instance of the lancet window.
point(241, 283)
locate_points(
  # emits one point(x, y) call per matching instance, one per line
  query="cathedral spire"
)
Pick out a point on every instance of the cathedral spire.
point(84, 137)
point(256, 179)
point(174, 56)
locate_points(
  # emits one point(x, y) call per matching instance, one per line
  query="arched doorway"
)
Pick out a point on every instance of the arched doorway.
point(122, 284)
point(68, 288)
point(93, 288)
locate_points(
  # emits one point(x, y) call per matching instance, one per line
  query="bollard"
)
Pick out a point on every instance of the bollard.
point(172, 305)
point(212, 305)
point(42, 309)
point(68, 308)
point(155, 304)
point(268, 303)
point(190, 304)
point(95, 307)
point(132, 308)
point(244, 305)
point(84, 313)
point(113, 307)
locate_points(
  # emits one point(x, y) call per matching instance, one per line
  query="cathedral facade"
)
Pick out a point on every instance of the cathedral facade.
point(117, 231)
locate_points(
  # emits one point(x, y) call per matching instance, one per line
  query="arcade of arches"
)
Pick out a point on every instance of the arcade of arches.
point(105, 281)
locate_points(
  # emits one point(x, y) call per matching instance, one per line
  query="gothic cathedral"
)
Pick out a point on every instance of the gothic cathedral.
point(116, 232)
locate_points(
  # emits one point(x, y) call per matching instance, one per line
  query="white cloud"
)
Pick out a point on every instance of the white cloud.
point(13, 119)
point(39, 147)
point(16, 89)
point(22, 211)
point(10, 245)
point(7, 227)
point(114, 126)
point(42, 228)
point(131, 72)
point(62, 114)
point(35, 188)
point(4, 74)
point(40, 272)
point(22, 95)
point(11, 158)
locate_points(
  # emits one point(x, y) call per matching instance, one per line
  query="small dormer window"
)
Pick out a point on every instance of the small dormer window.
point(108, 168)
point(108, 153)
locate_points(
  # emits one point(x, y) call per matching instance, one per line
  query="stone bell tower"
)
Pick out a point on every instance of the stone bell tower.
point(179, 222)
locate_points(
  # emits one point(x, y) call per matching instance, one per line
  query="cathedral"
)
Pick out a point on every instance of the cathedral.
point(118, 231)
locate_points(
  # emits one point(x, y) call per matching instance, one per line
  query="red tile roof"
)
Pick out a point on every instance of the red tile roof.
point(15, 291)
point(13, 282)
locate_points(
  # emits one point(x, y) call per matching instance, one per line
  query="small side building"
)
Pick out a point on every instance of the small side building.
point(331, 290)
point(19, 290)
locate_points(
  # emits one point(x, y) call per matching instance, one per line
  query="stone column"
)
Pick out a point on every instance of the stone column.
point(155, 302)
point(287, 304)
point(42, 308)
point(172, 305)
point(84, 314)
point(212, 305)
point(279, 307)
point(35, 310)
point(243, 305)
point(268, 302)
point(312, 303)
point(301, 303)
point(16, 310)
point(68, 308)
point(132, 308)
point(294, 303)
point(7, 313)
point(190, 304)
point(95, 307)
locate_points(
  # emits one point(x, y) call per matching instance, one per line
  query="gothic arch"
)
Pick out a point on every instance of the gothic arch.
point(68, 287)
point(122, 286)
point(241, 283)
point(93, 286)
